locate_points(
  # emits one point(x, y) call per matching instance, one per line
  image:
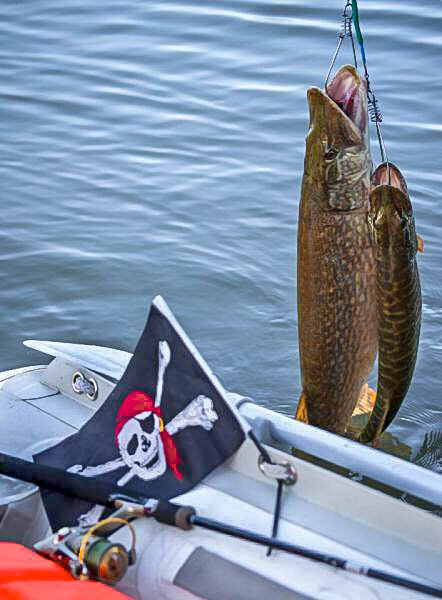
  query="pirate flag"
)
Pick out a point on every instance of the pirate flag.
point(164, 427)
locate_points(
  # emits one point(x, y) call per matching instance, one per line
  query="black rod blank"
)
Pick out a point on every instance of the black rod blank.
point(70, 484)
point(91, 489)
point(328, 559)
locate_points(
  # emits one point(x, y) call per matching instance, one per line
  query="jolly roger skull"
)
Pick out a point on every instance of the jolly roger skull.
point(145, 443)
point(141, 447)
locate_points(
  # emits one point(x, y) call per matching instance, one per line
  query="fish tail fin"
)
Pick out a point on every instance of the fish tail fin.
point(372, 431)
point(302, 411)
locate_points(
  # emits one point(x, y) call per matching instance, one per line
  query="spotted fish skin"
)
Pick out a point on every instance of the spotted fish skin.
point(398, 294)
point(336, 279)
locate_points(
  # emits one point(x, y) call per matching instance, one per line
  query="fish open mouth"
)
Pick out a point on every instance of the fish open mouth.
point(349, 92)
point(389, 174)
point(389, 193)
point(388, 182)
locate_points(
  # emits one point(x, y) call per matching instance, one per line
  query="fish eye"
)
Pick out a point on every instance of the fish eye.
point(331, 153)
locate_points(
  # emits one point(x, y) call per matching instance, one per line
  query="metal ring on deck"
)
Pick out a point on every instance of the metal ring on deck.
point(83, 385)
point(283, 471)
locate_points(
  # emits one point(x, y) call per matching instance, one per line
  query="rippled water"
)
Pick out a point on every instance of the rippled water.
point(157, 147)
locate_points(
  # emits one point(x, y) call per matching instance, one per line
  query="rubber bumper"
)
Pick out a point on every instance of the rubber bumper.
point(18, 563)
point(25, 575)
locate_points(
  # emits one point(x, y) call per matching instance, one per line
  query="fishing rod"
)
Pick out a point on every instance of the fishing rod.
point(184, 517)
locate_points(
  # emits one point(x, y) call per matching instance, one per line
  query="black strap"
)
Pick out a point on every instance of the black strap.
point(260, 447)
point(277, 511)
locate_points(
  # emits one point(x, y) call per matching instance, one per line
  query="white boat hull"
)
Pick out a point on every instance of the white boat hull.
point(322, 511)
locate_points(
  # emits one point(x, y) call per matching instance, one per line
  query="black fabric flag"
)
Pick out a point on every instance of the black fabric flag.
point(164, 427)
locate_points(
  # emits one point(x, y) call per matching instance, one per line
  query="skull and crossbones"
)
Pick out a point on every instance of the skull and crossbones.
point(144, 441)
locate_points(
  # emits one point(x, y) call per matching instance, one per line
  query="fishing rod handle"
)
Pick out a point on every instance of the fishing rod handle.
point(173, 514)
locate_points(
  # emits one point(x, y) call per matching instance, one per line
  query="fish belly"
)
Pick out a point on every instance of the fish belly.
point(337, 315)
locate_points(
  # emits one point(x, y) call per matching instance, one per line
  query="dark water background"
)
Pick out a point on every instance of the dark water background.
point(157, 147)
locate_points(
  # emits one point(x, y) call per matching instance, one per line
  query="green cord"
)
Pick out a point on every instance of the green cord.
point(355, 13)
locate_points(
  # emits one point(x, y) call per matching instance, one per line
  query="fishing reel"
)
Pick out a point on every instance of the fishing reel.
point(88, 553)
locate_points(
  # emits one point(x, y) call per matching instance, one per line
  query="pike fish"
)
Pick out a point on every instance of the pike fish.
point(398, 293)
point(336, 276)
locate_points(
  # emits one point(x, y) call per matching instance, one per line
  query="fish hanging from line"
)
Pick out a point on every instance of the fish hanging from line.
point(398, 295)
point(337, 315)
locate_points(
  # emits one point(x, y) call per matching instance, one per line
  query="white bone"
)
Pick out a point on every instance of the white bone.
point(126, 478)
point(198, 412)
point(107, 467)
point(163, 360)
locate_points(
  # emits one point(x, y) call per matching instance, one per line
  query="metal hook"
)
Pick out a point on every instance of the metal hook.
point(373, 106)
point(376, 118)
point(332, 64)
point(348, 28)
point(346, 31)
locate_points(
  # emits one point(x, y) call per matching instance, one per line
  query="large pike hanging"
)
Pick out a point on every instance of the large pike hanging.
point(336, 277)
point(398, 293)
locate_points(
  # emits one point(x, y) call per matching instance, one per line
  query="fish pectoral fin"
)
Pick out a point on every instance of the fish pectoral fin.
point(420, 244)
point(366, 401)
point(302, 412)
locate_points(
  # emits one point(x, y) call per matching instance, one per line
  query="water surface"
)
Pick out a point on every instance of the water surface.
point(157, 147)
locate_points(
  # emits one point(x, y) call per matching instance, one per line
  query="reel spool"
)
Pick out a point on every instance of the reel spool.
point(103, 560)
point(91, 556)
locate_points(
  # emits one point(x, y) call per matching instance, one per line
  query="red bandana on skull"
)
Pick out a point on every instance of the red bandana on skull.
point(138, 402)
